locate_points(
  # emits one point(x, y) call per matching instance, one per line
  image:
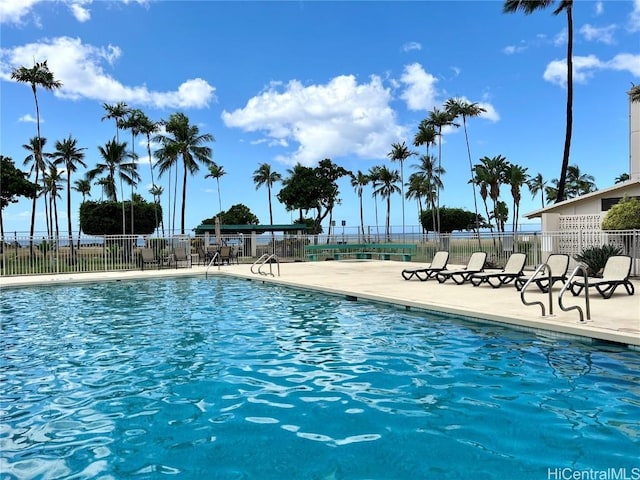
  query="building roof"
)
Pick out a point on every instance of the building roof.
point(618, 188)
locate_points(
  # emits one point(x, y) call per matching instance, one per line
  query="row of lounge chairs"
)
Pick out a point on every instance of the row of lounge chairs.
point(616, 273)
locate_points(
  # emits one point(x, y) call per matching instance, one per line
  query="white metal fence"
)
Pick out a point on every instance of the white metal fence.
point(26, 256)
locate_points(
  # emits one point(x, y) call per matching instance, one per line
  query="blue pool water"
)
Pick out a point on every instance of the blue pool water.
point(230, 379)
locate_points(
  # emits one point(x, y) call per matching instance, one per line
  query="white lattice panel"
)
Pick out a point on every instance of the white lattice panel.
point(578, 232)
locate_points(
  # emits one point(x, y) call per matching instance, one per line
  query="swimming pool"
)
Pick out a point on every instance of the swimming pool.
point(229, 379)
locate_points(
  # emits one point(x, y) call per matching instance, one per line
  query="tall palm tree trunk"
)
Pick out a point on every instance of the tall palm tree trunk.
point(69, 225)
point(33, 214)
point(567, 139)
point(184, 199)
point(473, 184)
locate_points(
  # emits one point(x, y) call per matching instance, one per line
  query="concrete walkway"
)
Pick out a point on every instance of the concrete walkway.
point(616, 319)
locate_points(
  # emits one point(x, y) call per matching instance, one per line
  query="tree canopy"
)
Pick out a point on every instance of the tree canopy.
point(14, 183)
point(105, 218)
point(238, 214)
point(316, 189)
point(452, 219)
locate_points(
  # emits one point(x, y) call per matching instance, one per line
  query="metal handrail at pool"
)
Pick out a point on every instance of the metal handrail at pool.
point(567, 286)
point(216, 255)
point(532, 279)
point(264, 259)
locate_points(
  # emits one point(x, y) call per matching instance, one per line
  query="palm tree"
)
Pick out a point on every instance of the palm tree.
point(68, 154)
point(492, 173)
point(400, 152)
point(134, 122)
point(516, 176)
point(82, 186)
point(360, 180)
point(579, 183)
point(38, 165)
point(426, 135)
point(157, 191)
point(37, 76)
point(439, 119)
point(432, 176)
point(117, 161)
point(419, 188)
point(387, 186)
point(528, 7)
point(537, 184)
point(183, 140)
point(116, 112)
point(216, 171)
point(623, 177)
point(481, 179)
point(265, 176)
point(461, 108)
point(52, 186)
point(147, 127)
point(501, 215)
point(374, 178)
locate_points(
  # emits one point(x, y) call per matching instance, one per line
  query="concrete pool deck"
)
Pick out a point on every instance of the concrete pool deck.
point(616, 319)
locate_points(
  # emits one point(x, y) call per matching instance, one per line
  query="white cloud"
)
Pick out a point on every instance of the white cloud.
point(634, 17)
point(80, 69)
point(28, 118)
point(14, 11)
point(586, 67)
point(420, 92)
point(561, 38)
point(602, 34)
point(599, 8)
point(340, 118)
point(407, 47)
point(625, 61)
point(513, 49)
point(78, 10)
point(583, 68)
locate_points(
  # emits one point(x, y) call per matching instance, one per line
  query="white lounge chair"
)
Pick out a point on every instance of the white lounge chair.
point(474, 265)
point(616, 272)
point(438, 263)
point(512, 270)
point(558, 264)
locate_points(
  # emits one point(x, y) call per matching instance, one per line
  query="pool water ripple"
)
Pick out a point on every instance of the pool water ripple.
point(221, 378)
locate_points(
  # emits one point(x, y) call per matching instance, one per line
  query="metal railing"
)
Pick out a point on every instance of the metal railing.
point(532, 279)
point(266, 259)
point(21, 255)
point(567, 286)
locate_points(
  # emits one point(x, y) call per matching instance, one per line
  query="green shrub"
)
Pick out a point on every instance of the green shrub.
point(596, 257)
point(624, 215)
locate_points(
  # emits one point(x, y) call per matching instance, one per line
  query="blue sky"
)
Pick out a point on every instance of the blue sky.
point(287, 82)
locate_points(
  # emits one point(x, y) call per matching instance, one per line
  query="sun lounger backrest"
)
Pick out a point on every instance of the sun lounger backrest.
point(618, 267)
point(180, 254)
point(147, 255)
point(476, 261)
point(516, 262)
point(440, 260)
point(558, 263)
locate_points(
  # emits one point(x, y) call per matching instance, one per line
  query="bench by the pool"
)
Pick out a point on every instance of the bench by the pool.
point(438, 264)
point(512, 270)
point(474, 265)
point(616, 272)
